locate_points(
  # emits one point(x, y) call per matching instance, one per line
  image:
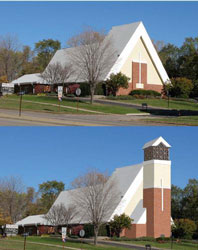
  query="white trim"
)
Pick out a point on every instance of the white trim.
point(164, 162)
point(140, 32)
point(162, 189)
point(142, 61)
point(156, 142)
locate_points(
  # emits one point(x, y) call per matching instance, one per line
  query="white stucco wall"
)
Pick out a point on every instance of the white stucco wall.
point(152, 74)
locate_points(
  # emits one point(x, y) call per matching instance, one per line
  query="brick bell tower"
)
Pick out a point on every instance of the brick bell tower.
point(157, 188)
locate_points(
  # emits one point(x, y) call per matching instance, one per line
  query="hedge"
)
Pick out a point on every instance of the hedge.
point(85, 89)
point(144, 92)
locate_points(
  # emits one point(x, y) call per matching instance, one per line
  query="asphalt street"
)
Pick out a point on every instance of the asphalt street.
point(30, 118)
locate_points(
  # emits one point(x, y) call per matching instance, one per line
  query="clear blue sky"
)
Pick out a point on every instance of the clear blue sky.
point(39, 154)
point(34, 21)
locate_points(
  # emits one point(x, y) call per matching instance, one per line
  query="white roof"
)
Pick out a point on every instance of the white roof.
point(8, 85)
point(124, 39)
point(156, 142)
point(29, 78)
point(122, 176)
point(33, 220)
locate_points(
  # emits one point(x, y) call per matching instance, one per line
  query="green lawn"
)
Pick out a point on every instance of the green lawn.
point(17, 243)
point(173, 104)
point(72, 103)
point(167, 245)
point(13, 103)
point(182, 120)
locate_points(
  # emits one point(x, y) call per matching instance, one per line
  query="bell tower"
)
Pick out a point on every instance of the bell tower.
point(157, 187)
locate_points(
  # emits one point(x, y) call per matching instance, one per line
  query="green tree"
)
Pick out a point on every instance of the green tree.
point(49, 191)
point(176, 202)
point(115, 82)
point(190, 200)
point(169, 55)
point(120, 222)
point(45, 50)
point(184, 228)
point(181, 87)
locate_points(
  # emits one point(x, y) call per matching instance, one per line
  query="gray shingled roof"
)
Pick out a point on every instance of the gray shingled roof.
point(122, 176)
point(119, 35)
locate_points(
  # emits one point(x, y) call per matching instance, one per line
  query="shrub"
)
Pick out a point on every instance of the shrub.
point(180, 87)
point(115, 82)
point(85, 89)
point(184, 228)
point(119, 222)
point(89, 230)
point(143, 92)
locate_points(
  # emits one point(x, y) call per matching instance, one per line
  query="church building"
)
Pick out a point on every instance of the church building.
point(144, 194)
point(135, 56)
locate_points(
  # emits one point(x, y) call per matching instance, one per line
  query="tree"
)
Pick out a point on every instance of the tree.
point(176, 202)
point(117, 81)
point(184, 228)
point(56, 74)
point(95, 196)
point(49, 192)
point(190, 200)
point(4, 218)
point(180, 87)
point(45, 50)
point(92, 55)
point(120, 222)
point(13, 198)
point(60, 215)
point(10, 57)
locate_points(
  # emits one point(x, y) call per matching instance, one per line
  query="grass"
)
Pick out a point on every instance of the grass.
point(162, 103)
point(9, 103)
point(17, 243)
point(182, 120)
point(6, 102)
point(182, 245)
point(167, 245)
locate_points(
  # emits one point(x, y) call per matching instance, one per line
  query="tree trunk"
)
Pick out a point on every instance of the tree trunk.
point(92, 90)
point(95, 234)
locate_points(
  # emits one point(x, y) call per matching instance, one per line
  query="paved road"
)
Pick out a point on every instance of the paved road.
point(30, 118)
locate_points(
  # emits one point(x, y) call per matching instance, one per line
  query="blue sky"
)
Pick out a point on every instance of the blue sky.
point(39, 154)
point(34, 21)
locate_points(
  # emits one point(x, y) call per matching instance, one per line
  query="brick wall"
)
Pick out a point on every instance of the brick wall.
point(135, 79)
point(136, 231)
point(158, 221)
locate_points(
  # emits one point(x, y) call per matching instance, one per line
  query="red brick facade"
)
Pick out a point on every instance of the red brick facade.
point(158, 221)
point(136, 231)
point(135, 80)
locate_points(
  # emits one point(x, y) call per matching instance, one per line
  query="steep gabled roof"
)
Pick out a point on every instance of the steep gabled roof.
point(136, 32)
point(156, 142)
point(124, 39)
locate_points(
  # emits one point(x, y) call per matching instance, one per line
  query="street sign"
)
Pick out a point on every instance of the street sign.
point(22, 93)
point(78, 91)
point(64, 232)
point(82, 233)
point(60, 92)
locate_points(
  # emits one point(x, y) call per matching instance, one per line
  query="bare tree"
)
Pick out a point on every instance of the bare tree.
point(92, 55)
point(96, 196)
point(10, 57)
point(57, 74)
point(60, 215)
point(13, 198)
